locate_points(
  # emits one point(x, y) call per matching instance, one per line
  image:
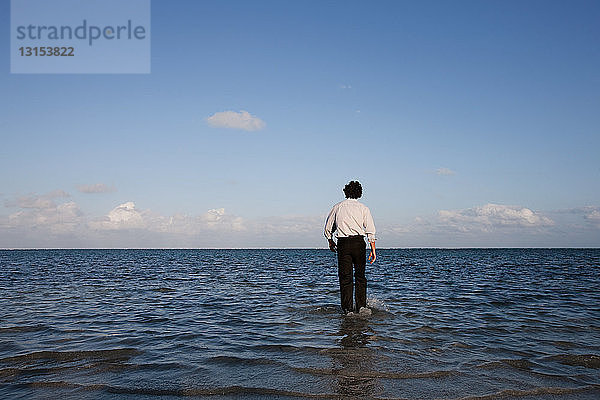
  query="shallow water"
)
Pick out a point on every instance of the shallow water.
point(445, 324)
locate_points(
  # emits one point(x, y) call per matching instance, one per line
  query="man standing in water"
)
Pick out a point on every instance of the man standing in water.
point(353, 221)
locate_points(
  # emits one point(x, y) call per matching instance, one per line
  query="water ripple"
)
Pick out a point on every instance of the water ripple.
point(107, 324)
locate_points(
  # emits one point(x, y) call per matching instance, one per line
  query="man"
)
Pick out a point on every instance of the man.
point(353, 221)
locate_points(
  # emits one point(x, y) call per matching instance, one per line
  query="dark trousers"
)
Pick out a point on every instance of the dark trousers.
point(352, 251)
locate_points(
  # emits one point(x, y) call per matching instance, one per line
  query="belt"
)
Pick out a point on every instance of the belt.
point(352, 237)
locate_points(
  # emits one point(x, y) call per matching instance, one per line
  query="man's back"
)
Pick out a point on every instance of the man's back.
point(350, 218)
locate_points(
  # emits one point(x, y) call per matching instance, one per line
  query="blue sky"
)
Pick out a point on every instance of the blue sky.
point(469, 123)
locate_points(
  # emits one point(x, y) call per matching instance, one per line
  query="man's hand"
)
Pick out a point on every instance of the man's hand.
point(332, 245)
point(372, 256)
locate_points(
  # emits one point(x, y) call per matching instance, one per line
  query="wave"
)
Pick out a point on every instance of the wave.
point(287, 348)
point(325, 310)
point(425, 329)
point(13, 372)
point(18, 372)
point(564, 344)
point(521, 364)
point(232, 360)
point(148, 319)
point(109, 355)
point(261, 391)
point(24, 329)
point(164, 290)
point(376, 304)
point(577, 360)
point(187, 392)
point(375, 374)
point(539, 391)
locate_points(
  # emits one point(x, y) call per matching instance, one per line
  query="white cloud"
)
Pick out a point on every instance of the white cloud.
point(44, 201)
point(444, 171)
point(123, 216)
point(345, 86)
point(96, 188)
point(488, 225)
point(590, 214)
point(492, 216)
point(38, 202)
point(127, 216)
point(59, 218)
point(215, 214)
point(236, 120)
point(593, 216)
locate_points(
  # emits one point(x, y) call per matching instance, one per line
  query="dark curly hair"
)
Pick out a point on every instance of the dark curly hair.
point(353, 190)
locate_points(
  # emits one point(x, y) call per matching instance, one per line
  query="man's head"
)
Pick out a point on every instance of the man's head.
point(353, 190)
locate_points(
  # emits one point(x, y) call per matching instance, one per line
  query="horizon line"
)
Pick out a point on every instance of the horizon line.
point(294, 248)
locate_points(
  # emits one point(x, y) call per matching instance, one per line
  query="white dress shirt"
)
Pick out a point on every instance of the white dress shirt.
point(350, 218)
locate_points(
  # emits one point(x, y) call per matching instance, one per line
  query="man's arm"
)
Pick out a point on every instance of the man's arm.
point(372, 255)
point(369, 226)
point(330, 228)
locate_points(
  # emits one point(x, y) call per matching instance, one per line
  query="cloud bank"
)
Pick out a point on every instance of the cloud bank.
point(37, 201)
point(236, 120)
point(498, 225)
point(45, 221)
point(42, 214)
point(492, 216)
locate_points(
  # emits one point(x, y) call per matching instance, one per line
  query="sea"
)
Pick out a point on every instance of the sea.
point(267, 324)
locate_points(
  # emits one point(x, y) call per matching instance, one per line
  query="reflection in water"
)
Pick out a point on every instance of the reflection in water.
point(353, 361)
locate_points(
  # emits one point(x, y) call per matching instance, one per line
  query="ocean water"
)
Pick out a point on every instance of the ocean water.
point(245, 324)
